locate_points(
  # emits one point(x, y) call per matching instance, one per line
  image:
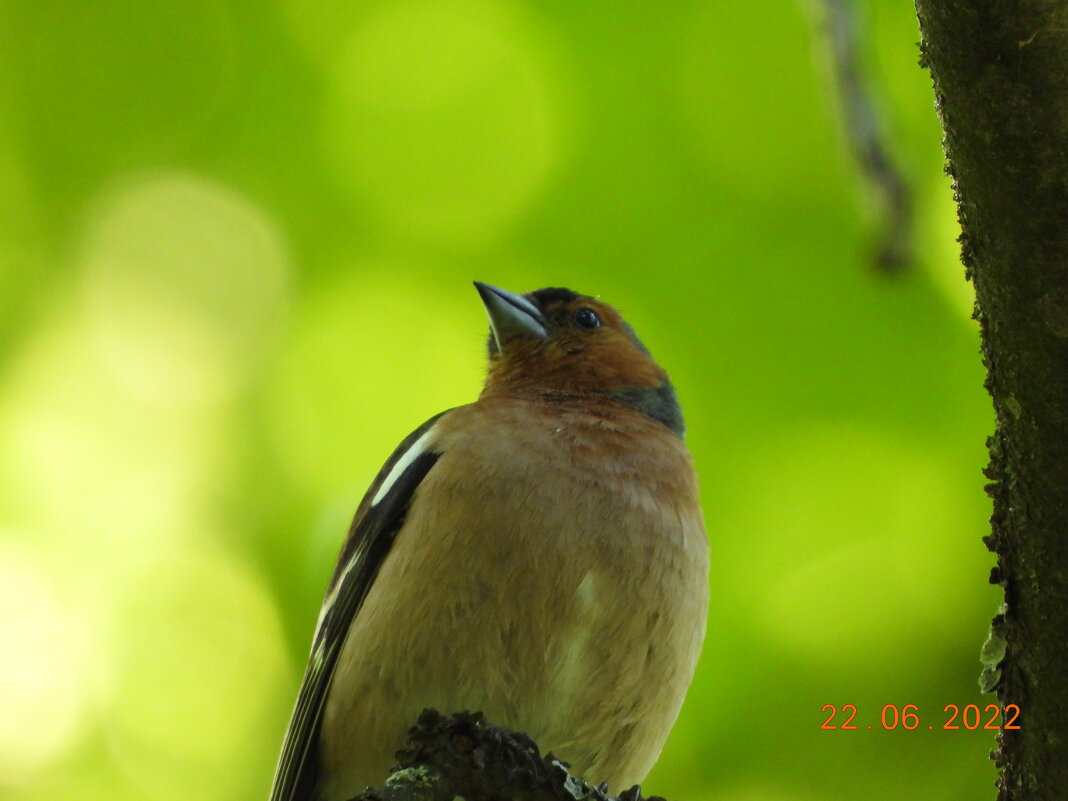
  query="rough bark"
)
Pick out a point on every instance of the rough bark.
point(464, 757)
point(1000, 71)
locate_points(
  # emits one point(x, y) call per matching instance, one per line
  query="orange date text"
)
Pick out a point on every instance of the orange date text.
point(891, 717)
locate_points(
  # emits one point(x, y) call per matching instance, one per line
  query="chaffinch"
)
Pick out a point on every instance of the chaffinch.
point(538, 555)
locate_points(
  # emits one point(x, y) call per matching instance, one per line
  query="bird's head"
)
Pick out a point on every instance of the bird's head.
point(555, 342)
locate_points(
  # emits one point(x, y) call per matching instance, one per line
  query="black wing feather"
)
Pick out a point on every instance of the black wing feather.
point(369, 539)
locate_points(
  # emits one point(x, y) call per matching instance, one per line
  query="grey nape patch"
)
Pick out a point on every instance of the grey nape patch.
point(659, 403)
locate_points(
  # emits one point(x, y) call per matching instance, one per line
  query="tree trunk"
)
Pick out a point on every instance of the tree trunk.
point(1000, 70)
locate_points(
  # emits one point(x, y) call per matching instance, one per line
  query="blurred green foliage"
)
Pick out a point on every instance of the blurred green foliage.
point(236, 246)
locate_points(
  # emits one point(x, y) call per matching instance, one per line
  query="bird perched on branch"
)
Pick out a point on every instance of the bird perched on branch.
point(538, 555)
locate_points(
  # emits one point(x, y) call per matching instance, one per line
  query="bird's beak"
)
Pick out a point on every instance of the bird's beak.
point(511, 316)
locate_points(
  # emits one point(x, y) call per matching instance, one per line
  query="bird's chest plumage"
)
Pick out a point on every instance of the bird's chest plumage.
point(568, 603)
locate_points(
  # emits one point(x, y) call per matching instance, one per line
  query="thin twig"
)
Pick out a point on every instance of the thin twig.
point(868, 138)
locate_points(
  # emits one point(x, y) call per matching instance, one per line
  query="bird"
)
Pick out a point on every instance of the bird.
point(538, 555)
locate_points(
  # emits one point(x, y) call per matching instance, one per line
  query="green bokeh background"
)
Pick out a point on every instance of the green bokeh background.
point(236, 246)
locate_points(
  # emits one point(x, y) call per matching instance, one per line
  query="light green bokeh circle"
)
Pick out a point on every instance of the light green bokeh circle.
point(185, 284)
point(43, 666)
point(196, 658)
point(850, 547)
point(79, 446)
point(370, 357)
point(443, 117)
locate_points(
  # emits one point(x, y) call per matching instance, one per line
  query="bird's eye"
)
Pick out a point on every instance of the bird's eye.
point(587, 318)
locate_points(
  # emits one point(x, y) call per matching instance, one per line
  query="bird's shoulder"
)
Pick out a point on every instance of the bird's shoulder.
point(556, 421)
point(563, 441)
